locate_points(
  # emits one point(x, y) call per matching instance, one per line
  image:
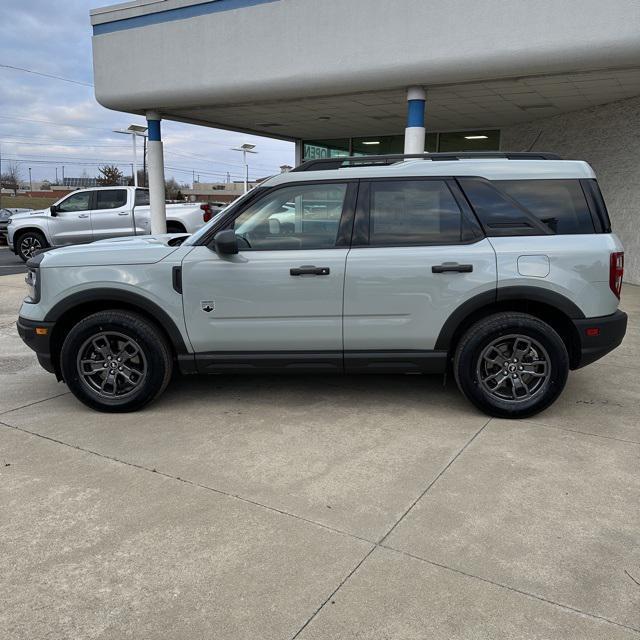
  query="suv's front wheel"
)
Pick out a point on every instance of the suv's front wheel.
point(511, 365)
point(115, 361)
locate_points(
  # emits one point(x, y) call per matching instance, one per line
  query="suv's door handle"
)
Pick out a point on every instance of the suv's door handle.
point(452, 266)
point(83, 215)
point(309, 270)
point(123, 213)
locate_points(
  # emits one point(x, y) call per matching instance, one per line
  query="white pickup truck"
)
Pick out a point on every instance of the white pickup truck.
point(97, 214)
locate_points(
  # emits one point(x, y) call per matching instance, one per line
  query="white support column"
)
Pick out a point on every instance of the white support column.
point(156, 175)
point(414, 134)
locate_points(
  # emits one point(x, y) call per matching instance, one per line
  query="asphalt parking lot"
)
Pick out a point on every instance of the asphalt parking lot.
point(318, 508)
point(10, 264)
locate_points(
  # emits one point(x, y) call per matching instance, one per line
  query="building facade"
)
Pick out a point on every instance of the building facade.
point(374, 76)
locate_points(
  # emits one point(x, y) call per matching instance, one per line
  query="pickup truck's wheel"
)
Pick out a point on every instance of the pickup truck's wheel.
point(511, 365)
point(115, 361)
point(29, 243)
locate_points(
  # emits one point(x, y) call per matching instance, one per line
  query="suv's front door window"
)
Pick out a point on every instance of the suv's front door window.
point(297, 217)
point(75, 202)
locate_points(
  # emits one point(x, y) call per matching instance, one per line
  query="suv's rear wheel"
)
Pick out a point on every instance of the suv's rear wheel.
point(511, 365)
point(29, 243)
point(115, 361)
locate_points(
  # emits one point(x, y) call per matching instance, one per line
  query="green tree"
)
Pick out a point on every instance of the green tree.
point(110, 176)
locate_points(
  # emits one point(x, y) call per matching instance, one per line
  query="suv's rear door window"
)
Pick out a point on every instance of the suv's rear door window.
point(111, 198)
point(413, 212)
point(559, 204)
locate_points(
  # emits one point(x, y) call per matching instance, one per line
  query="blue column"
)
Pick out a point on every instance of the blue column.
point(414, 134)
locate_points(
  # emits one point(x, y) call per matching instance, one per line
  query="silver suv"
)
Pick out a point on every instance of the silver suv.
point(500, 267)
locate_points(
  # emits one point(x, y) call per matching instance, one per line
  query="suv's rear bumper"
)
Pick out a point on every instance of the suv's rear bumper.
point(39, 342)
point(606, 332)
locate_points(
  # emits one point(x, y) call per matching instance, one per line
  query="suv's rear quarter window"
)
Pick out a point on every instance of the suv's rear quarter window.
point(560, 204)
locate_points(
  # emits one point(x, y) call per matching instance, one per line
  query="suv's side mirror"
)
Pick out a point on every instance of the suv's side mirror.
point(54, 210)
point(226, 242)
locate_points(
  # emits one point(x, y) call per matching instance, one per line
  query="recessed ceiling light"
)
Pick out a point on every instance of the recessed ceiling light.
point(476, 137)
point(371, 142)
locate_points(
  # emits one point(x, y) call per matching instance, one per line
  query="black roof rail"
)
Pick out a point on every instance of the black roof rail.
point(323, 164)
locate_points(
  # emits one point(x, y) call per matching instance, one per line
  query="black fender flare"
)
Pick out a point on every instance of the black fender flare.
point(504, 294)
point(129, 298)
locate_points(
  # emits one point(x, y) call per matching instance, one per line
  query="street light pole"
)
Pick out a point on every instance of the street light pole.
point(135, 161)
point(134, 130)
point(245, 148)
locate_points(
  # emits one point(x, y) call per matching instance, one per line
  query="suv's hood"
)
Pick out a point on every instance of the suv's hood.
point(129, 250)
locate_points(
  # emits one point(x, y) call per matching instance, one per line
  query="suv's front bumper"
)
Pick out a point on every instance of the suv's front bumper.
point(39, 341)
point(598, 336)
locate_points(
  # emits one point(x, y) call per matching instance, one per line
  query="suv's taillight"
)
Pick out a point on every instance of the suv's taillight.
point(616, 271)
point(208, 212)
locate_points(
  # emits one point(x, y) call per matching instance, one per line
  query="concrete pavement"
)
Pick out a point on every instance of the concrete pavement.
point(318, 508)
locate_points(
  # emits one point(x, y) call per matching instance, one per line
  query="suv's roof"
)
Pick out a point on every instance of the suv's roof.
point(489, 168)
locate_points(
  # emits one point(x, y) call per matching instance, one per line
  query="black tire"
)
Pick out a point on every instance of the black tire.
point(115, 329)
point(29, 243)
point(175, 227)
point(483, 357)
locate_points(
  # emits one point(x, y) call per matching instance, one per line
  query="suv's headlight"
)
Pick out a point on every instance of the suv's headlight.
point(9, 221)
point(32, 280)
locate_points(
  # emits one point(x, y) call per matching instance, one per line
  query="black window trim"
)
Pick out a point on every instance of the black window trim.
point(601, 221)
point(362, 227)
point(345, 226)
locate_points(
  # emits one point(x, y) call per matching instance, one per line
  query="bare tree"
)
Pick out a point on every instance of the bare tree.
point(143, 179)
point(173, 190)
point(11, 177)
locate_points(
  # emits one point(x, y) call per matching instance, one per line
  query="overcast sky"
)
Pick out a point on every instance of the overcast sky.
point(47, 123)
